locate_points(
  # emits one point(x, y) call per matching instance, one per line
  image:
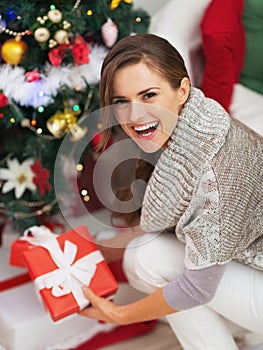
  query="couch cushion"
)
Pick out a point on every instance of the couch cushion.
point(224, 45)
point(252, 74)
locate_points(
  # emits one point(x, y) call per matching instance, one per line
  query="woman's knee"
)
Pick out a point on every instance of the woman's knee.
point(152, 261)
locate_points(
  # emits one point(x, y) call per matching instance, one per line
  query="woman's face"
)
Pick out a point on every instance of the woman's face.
point(146, 106)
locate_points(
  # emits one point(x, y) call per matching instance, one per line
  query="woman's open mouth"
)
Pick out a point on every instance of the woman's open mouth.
point(146, 130)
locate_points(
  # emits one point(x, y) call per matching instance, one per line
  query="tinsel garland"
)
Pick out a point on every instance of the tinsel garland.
point(42, 92)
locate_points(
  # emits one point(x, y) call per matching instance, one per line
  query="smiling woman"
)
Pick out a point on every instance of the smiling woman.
point(197, 238)
point(134, 104)
point(146, 77)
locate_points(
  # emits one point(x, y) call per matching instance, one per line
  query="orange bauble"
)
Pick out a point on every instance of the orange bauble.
point(12, 51)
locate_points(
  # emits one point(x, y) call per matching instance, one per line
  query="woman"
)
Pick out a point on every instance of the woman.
point(206, 188)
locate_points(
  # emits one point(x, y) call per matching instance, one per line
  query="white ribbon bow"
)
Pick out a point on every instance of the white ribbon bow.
point(69, 277)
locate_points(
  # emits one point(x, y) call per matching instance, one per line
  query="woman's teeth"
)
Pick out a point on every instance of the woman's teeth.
point(146, 129)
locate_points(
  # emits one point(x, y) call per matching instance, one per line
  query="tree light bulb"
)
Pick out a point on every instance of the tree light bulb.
point(75, 108)
point(84, 192)
point(79, 167)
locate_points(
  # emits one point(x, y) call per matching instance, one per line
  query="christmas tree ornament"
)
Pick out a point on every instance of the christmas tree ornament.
point(66, 25)
point(18, 177)
point(41, 177)
point(109, 33)
point(3, 100)
point(52, 43)
point(55, 16)
point(42, 20)
point(77, 132)
point(61, 123)
point(42, 34)
point(80, 51)
point(13, 50)
point(61, 37)
point(116, 3)
point(52, 76)
point(32, 76)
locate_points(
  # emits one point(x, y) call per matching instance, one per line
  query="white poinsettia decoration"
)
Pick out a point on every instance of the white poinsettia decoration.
point(18, 177)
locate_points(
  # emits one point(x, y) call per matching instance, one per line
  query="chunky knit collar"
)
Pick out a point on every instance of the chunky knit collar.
point(200, 133)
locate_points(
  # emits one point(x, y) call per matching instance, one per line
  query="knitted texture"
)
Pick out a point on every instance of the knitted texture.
point(207, 184)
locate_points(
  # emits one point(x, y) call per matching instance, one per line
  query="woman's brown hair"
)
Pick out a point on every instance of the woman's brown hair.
point(161, 57)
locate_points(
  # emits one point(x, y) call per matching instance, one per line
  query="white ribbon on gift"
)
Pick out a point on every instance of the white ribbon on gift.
point(69, 277)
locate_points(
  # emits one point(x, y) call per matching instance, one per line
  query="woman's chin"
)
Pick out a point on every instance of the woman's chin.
point(147, 146)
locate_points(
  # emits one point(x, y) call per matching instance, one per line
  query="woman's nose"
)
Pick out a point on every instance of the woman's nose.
point(137, 112)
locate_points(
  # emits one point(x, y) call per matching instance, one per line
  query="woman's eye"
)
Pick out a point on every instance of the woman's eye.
point(120, 103)
point(149, 95)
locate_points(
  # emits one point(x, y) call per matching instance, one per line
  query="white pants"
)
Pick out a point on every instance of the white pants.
point(152, 261)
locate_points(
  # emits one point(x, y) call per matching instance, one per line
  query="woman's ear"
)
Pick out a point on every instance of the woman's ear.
point(184, 90)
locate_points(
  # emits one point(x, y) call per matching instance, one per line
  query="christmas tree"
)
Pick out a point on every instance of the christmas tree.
point(51, 54)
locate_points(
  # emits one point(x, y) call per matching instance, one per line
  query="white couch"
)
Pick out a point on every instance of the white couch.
point(179, 22)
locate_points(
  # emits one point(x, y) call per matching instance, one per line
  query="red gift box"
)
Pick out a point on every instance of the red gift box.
point(16, 252)
point(22, 244)
point(62, 265)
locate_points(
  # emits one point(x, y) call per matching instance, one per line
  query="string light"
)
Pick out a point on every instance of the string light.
point(76, 108)
point(84, 192)
point(25, 123)
point(86, 198)
point(85, 195)
point(79, 167)
point(11, 14)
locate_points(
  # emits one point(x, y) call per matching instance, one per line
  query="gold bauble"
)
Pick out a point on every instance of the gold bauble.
point(61, 123)
point(12, 51)
point(61, 37)
point(55, 16)
point(42, 34)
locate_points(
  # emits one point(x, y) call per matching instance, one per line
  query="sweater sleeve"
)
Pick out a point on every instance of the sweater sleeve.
point(193, 287)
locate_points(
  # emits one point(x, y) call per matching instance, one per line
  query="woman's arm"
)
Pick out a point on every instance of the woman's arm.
point(148, 308)
point(192, 288)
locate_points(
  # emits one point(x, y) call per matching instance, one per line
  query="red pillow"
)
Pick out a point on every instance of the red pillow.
point(223, 39)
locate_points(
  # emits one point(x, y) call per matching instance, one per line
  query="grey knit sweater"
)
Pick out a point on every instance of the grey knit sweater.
point(208, 184)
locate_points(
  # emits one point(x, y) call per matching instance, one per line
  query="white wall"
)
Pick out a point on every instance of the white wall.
point(151, 6)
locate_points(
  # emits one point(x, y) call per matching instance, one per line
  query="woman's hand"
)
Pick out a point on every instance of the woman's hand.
point(100, 309)
point(148, 308)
